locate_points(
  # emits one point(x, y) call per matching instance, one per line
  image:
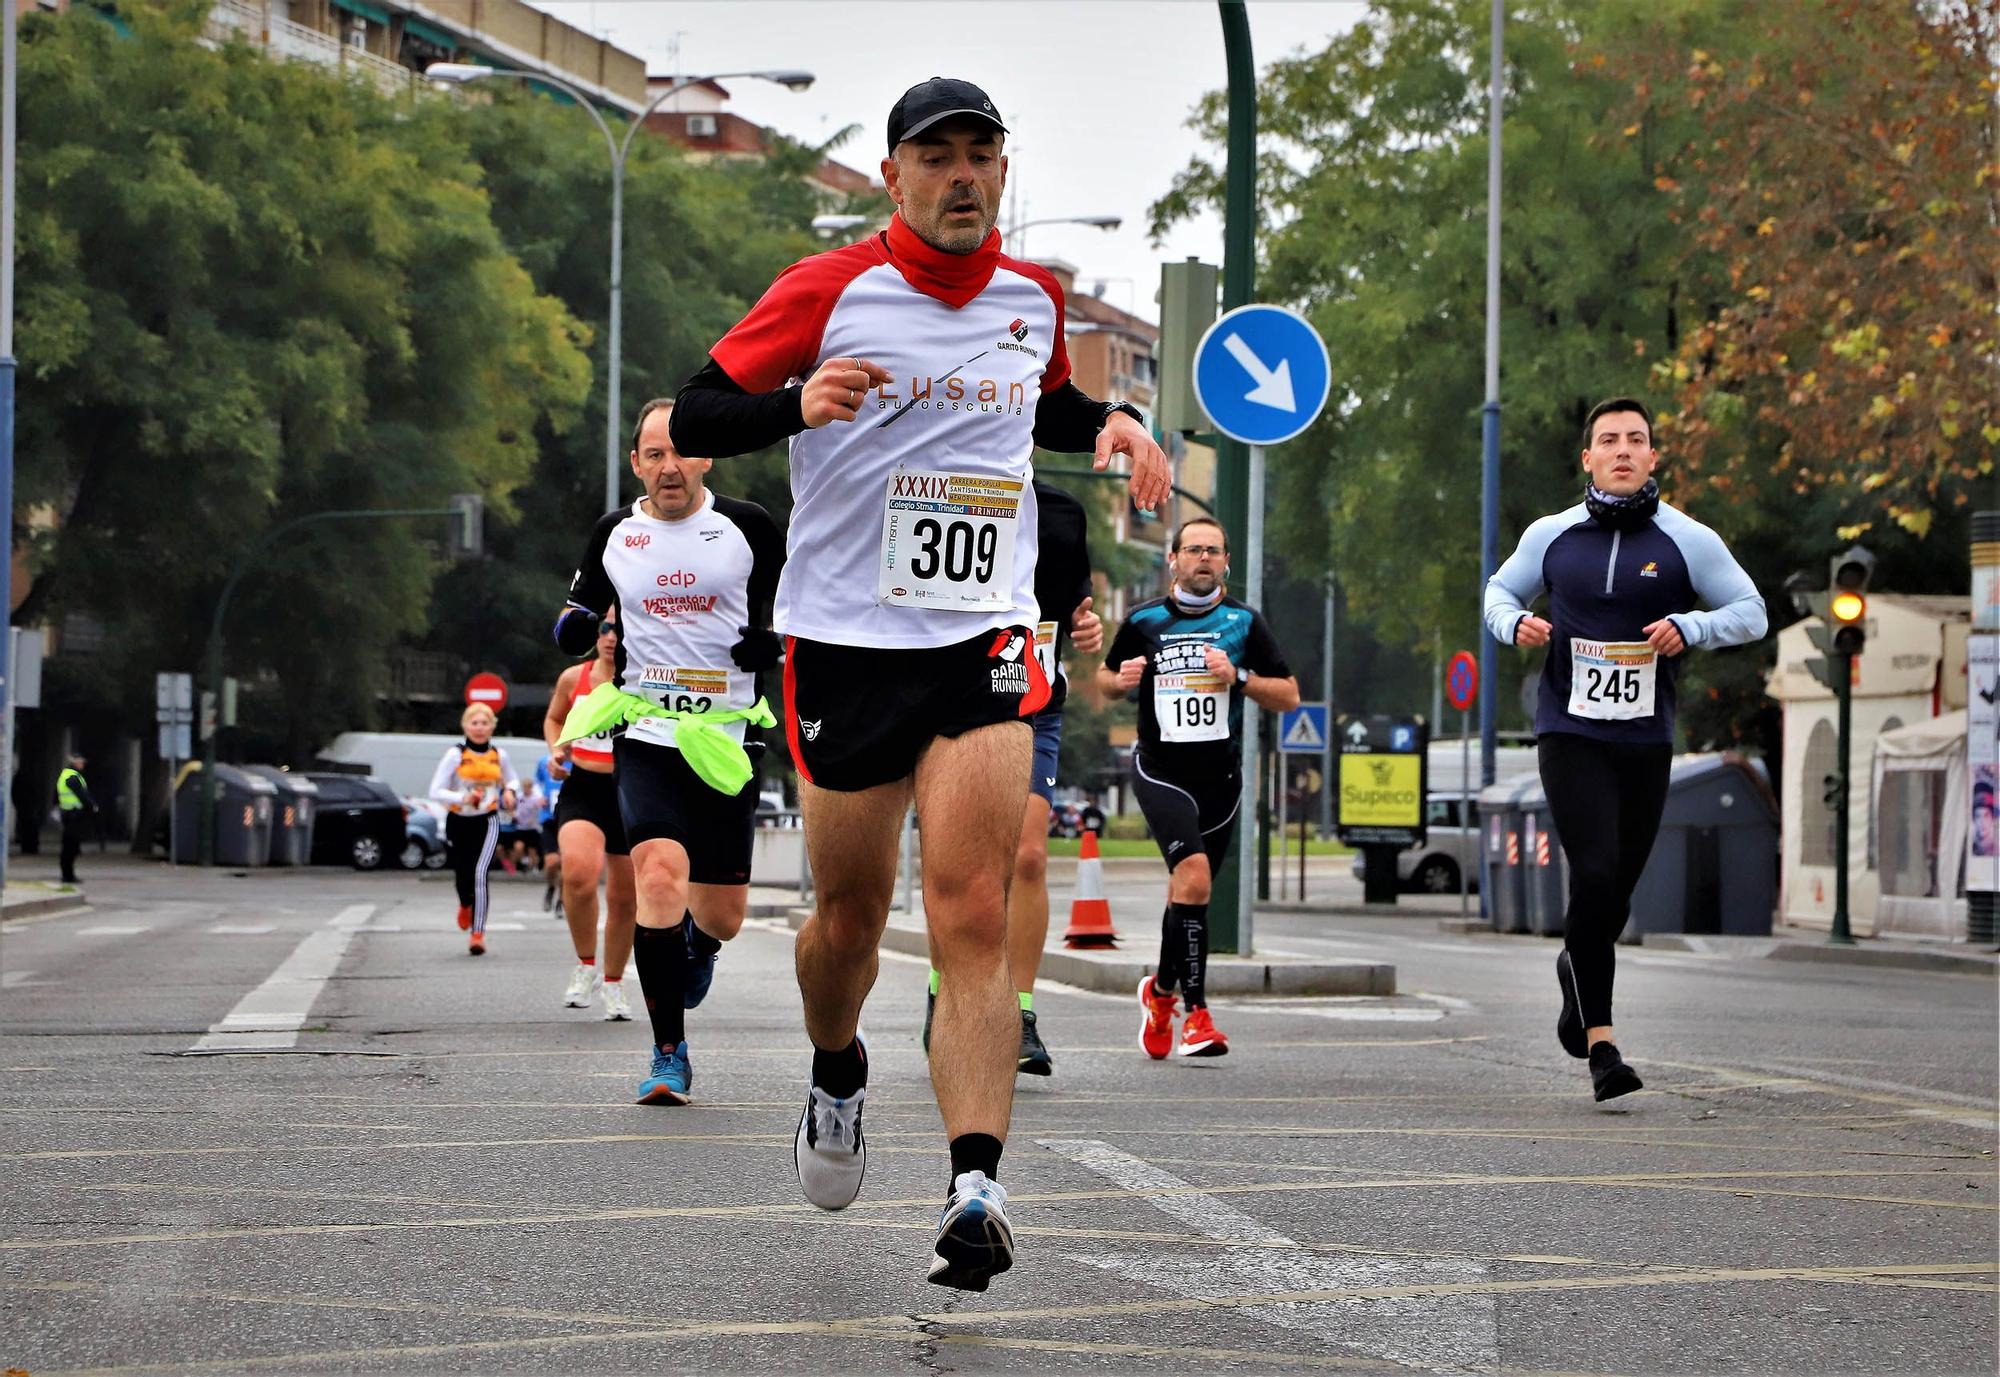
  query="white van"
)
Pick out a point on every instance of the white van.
point(407, 760)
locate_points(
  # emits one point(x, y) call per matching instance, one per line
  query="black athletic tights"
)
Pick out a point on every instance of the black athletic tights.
point(1607, 798)
point(471, 841)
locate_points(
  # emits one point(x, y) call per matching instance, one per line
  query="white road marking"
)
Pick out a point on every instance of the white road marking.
point(13, 978)
point(1341, 1013)
point(271, 1015)
point(1429, 1332)
point(242, 929)
point(114, 930)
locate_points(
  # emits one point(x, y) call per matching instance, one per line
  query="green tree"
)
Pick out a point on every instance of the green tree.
point(251, 290)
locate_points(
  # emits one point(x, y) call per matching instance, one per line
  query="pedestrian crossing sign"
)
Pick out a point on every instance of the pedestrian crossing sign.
point(1302, 730)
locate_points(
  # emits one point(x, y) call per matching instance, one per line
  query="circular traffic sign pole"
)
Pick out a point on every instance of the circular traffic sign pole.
point(1462, 683)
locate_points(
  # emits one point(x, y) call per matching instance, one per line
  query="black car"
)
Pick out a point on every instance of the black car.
point(360, 822)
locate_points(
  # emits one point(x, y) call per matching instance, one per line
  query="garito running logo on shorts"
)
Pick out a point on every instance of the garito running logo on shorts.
point(1010, 676)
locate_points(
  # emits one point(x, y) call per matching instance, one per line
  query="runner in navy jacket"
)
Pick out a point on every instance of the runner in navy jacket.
point(1624, 573)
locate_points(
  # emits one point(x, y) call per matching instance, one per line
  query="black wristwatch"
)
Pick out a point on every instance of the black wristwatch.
point(1111, 408)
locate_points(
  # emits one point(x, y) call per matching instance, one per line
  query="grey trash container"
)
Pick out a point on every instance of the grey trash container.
point(1544, 877)
point(243, 812)
point(1714, 867)
point(291, 815)
point(1502, 876)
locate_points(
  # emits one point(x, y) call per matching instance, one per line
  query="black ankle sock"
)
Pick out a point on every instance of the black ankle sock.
point(841, 1073)
point(975, 1152)
point(660, 955)
point(699, 941)
point(1193, 922)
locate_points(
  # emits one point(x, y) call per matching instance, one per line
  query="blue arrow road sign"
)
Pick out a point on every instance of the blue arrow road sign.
point(1261, 373)
point(1302, 730)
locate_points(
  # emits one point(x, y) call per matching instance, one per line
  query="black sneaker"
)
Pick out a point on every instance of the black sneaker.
point(1569, 1023)
point(1035, 1059)
point(930, 1012)
point(1610, 1077)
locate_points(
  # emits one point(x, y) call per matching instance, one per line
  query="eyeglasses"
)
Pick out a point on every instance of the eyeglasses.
point(1202, 551)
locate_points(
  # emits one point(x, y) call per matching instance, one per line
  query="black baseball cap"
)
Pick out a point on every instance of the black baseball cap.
point(924, 104)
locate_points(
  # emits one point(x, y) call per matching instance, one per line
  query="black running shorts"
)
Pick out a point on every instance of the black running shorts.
point(663, 799)
point(1188, 816)
point(856, 717)
point(588, 796)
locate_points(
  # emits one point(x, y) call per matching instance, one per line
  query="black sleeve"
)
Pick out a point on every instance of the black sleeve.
point(713, 417)
point(1123, 647)
point(1261, 652)
point(767, 552)
point(590, 591)
point(1067, 420)
point(1062, 559)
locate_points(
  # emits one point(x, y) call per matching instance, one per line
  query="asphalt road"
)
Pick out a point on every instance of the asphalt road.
point(443, 1172)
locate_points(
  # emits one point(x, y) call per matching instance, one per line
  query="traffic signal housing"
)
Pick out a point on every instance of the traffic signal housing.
point(1841, 612)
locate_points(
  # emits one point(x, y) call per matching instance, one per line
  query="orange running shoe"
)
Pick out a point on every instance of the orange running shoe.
point(1199, 1037)
point(464, 918)
point(475, 945)
point(1156, 1033)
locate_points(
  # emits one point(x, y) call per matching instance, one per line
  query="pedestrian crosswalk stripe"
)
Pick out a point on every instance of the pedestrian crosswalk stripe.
point(114, 930)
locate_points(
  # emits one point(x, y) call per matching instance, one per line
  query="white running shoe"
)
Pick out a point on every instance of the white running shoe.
point(974, 1242)
point(582, 985)
point(830, 1154)
point(616, 1008)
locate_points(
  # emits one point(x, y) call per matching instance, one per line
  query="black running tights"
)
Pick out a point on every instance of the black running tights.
point(1606, 798)
point(471, 841)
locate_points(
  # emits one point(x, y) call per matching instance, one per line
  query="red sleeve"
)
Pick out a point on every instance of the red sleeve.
point(779, 339)
point(1057, 373)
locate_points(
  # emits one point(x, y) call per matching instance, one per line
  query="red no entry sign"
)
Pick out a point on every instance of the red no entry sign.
point(486, 688)
point(1461, 680)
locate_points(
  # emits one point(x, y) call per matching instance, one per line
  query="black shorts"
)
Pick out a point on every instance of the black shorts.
point(1188, 815)
point(550, 830)
point(856, 717)
point(662, 798)
point(593, 798)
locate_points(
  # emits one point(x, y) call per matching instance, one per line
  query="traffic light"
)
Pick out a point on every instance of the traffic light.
point(1847, 605)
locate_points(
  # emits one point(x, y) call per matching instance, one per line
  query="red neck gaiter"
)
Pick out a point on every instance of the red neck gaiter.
point(953, 278)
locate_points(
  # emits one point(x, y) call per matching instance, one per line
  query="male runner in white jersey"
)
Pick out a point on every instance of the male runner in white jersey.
point(914, 373)
point(691, 574)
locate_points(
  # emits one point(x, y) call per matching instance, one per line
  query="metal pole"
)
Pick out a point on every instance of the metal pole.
point(1843, 666)
point(614, 366)
point(1230, 931)
point(1253, 590)
point(1489, 488)
point(1282, 791)
point(1465, 802)
point(1326, 692)
point(8, 69)
point(909, 860)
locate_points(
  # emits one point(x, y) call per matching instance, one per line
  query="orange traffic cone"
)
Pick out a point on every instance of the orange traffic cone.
point(1089, 911)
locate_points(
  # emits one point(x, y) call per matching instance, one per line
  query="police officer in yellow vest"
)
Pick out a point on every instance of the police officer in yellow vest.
point(73, 797)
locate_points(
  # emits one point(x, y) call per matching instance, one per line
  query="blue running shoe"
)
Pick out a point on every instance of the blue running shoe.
point(669, 1079)
point(700, 969)
point(974, 1241)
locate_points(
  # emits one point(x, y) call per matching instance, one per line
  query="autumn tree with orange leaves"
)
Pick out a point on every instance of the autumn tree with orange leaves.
point(1844, 180)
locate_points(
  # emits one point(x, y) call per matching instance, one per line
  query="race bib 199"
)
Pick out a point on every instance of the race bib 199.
point(948, 541)
point(1191, 707)
point(1611, 681)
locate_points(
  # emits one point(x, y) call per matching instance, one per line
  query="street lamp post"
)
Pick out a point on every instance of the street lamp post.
point(1020, 228)
point(460, 73)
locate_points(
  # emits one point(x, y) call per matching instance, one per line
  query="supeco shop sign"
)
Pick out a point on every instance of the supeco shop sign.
point(1384, 775)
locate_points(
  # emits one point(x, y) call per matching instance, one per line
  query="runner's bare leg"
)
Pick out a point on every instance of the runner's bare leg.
point(851, 842)
point(970, 790)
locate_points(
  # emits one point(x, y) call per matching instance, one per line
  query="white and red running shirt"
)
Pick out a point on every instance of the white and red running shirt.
point(684, 589)
point(914, 525)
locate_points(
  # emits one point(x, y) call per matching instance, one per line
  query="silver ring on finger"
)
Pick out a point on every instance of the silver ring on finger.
point(853, 397)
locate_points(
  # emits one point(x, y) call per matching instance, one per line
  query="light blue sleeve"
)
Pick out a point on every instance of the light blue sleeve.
point(1737, 615)
point(1518, 582)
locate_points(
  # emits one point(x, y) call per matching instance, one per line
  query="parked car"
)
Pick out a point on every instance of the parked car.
point(1448, 849)
point(423, 847)
point(361, 822)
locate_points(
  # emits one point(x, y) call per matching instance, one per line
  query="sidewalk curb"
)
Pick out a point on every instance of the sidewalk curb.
point(44, 906)
point(1970, 962)
point(1117, 972)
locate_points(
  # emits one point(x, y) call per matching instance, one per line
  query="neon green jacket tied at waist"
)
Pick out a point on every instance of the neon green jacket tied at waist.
point(710, 752)
point(67, 797)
